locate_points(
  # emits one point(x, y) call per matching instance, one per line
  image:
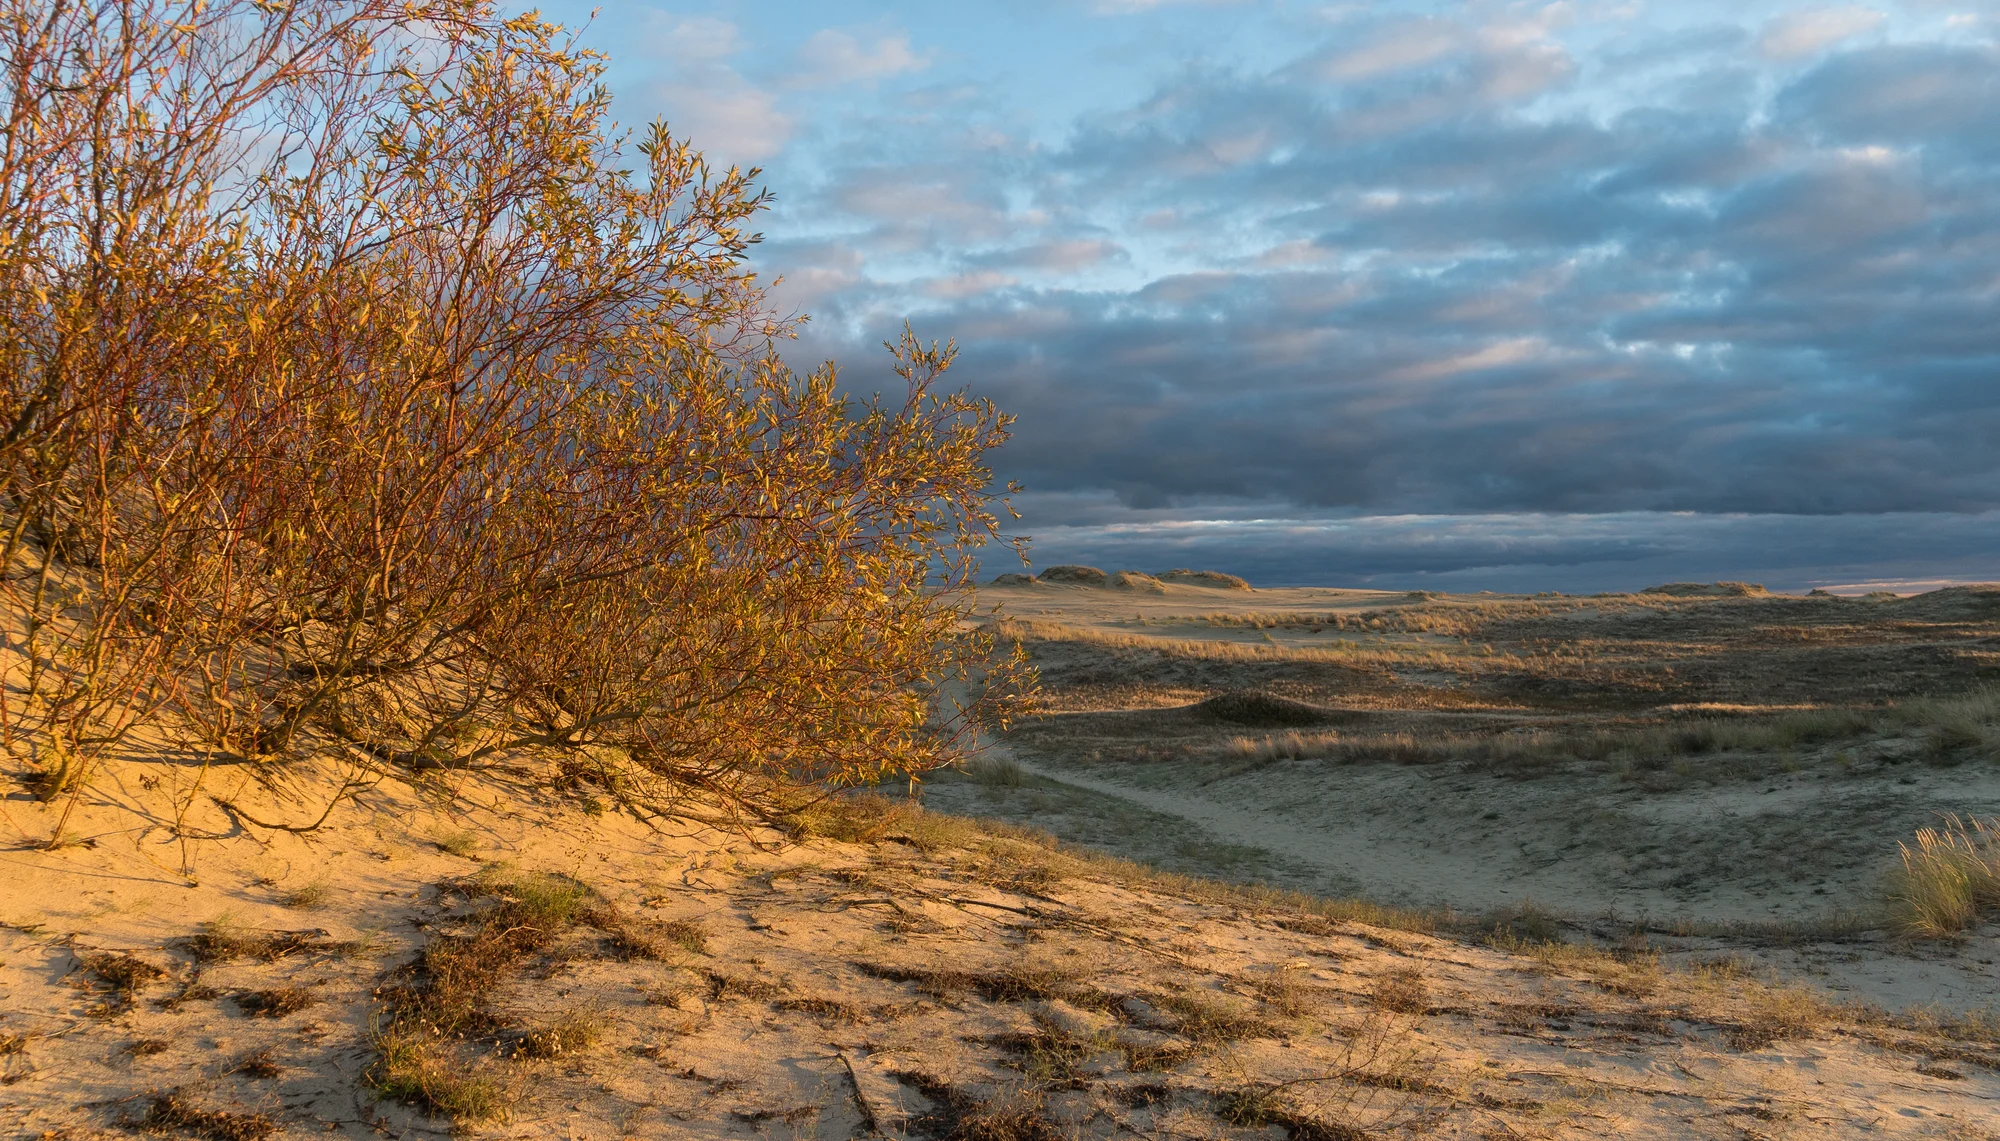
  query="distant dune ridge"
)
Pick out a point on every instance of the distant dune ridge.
point(1075, 575)
point(1137, 580)
point(1708, 589)
point(1072, 575)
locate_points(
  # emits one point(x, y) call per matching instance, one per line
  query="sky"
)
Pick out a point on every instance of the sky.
point(1572, 296)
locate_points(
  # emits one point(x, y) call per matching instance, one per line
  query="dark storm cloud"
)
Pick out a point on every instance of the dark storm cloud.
point(1429, 269)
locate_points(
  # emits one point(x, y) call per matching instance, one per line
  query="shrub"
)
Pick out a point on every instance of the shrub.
point(996, 771)
point(366, 452)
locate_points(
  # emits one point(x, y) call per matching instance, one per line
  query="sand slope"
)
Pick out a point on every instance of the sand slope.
point(933, 981)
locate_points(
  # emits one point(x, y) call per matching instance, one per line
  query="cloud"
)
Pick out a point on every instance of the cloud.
point(833, 58)
point(1134, 7)
point(1452, 268)
point(1058, 256)
point(968, 284)
point(704, 98)
point(1396, 47)
point(1797, 34)
point(731, 121)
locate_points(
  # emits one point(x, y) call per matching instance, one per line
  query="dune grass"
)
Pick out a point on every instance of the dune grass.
point(995, 771)
point(420, 1058)
point(1949, 881)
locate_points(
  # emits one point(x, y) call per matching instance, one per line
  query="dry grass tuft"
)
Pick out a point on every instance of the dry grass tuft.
point(1017, 983)
point(1209, 1018)
point(416, 1068)
point(575, 1033)
point(277, 1002)
point(419, 1054)
point(307, 897)
point(1403, 992)
point(125, 975)
point(460, 844)
point(1949, 881)
point(220, 941)
point(257, 1064)
point(961, 1115)
point(174, 1112)
point(1258, 1105)
point(723, 986)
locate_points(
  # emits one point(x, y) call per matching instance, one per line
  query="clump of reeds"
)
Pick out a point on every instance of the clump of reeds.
point(1950, 878)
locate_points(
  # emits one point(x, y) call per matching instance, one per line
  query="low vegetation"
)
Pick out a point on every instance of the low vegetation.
point(428, 1045)
point(1949, 880)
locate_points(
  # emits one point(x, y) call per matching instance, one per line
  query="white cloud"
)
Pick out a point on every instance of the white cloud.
point(696, 41)
point(707, 101)
point(1803, 33)
point(734, 122)
point(968, 284)
point(1396, 48)
point(833, 58)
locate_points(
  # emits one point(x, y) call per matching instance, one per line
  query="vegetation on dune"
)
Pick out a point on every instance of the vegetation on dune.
point(1950, 879)
point(365, 401)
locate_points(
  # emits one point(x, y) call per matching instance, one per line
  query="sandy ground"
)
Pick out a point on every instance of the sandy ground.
point(934, 981)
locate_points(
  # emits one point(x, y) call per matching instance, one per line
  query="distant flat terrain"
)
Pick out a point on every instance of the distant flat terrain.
point(1684, 761)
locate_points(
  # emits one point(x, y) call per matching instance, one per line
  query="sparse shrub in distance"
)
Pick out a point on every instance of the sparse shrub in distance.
point(996, 771)
point(1949, 880)
point(320, 439)
point(1524, 925)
